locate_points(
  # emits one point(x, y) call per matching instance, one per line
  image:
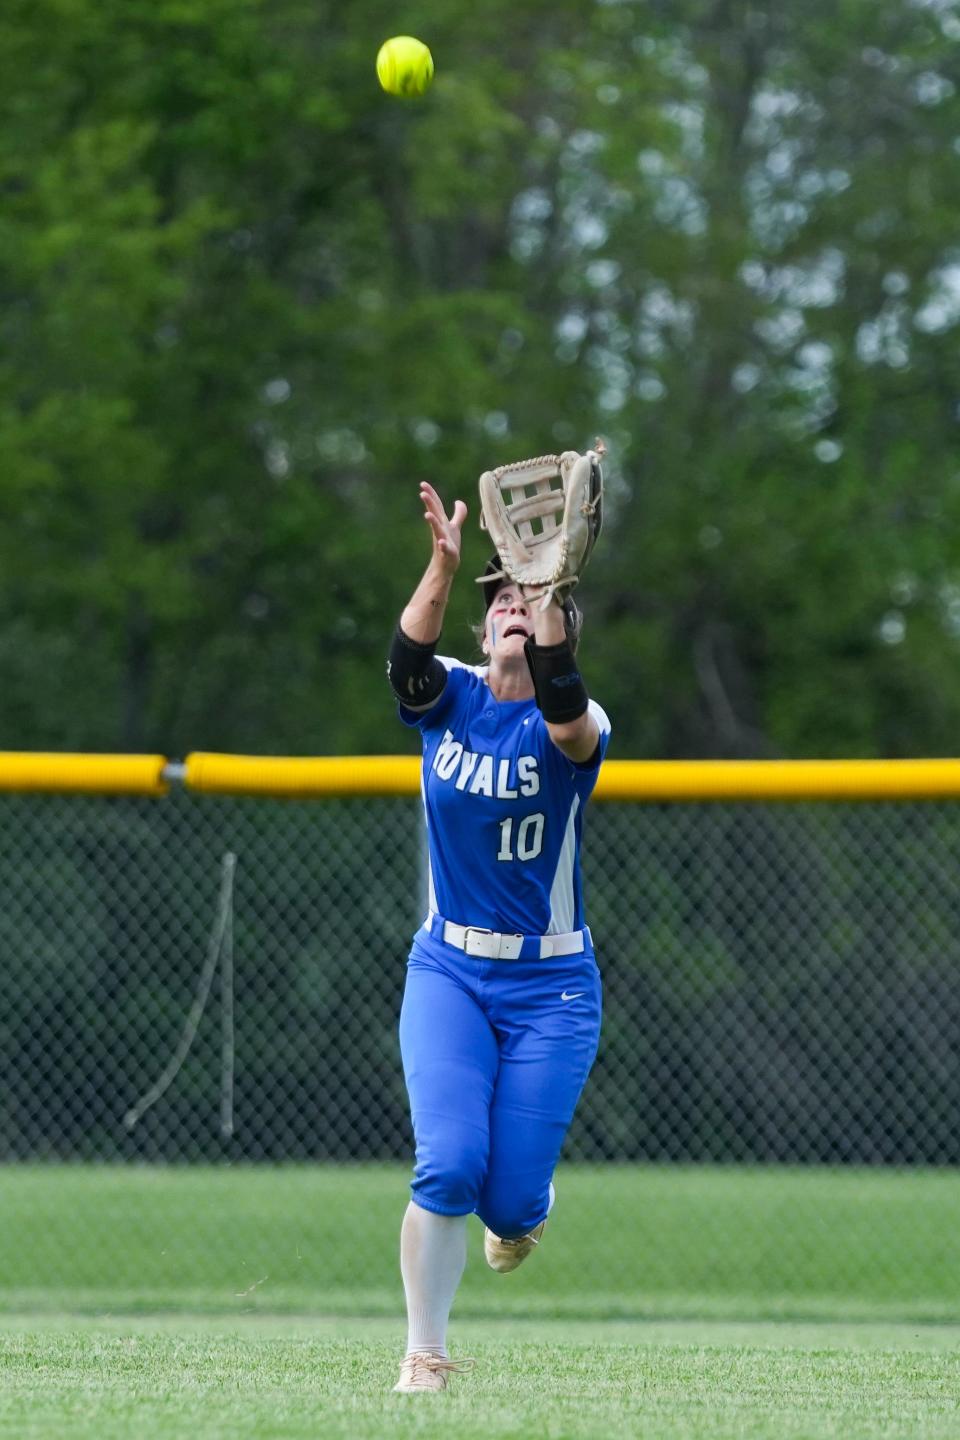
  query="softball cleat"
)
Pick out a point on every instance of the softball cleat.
point(505, 1255)
point(422, 1372)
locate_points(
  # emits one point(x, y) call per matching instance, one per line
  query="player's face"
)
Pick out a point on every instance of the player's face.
point(508, 624)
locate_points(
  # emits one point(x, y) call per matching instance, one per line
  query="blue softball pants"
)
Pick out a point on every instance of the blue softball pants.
point(495, 1055)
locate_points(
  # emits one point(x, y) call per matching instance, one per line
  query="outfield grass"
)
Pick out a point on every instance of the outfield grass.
point(805, 1305)
point(547, 1380)
point(635, 1242)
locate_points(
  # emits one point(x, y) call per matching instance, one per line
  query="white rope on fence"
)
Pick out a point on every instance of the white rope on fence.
point(220, 948)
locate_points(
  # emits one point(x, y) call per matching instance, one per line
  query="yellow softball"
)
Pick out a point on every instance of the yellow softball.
point(404, 66)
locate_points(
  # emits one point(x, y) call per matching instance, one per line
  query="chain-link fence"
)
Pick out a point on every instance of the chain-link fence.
point(780, 984)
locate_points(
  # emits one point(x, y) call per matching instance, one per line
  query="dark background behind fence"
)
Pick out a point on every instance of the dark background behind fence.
point(779, 979)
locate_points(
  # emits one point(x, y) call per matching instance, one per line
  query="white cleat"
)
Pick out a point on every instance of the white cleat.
point(505, 1255)
point(422, 1372)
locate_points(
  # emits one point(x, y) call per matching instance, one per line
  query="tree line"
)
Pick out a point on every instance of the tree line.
point(249, 301)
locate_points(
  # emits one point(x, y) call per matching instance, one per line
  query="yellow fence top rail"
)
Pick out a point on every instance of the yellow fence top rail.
point(779, 780)
point(638, 780)
point(649, 780)
point(91, 774)
point(326, 775)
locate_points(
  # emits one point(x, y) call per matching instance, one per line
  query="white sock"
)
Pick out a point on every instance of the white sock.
point(433, 1252)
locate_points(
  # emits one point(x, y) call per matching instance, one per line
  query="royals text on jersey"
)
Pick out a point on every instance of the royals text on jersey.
point(496, 788)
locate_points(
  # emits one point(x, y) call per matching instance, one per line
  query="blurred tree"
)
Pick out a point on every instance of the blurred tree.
point(249, 302)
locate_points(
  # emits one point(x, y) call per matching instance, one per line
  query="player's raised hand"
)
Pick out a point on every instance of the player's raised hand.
point(444, 529)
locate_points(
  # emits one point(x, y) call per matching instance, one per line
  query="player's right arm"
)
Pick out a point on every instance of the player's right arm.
point(417, 677)
point(422, 619)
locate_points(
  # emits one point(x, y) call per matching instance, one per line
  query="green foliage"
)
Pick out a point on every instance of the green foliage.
point(249, 302)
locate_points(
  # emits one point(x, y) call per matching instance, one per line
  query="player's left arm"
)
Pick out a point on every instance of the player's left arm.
point(560, 690)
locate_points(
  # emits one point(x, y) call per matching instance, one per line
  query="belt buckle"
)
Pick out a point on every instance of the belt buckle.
point(486, 952)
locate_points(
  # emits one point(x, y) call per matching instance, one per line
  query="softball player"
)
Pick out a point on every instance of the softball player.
point(501, 1013)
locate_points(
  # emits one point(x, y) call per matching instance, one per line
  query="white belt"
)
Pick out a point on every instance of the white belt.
point(489, 945)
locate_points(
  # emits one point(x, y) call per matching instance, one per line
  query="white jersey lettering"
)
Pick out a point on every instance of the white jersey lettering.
point(482, 783)
point(470, 758)
point(443, 747)
point(451, 759)
point(528, 775)
point(475, 770)
point(530, 837)
point(503, 777)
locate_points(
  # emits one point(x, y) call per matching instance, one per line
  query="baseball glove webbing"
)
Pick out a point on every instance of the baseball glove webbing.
point(561, 493)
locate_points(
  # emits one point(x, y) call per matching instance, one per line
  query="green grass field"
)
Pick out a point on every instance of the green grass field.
point(664, 1302)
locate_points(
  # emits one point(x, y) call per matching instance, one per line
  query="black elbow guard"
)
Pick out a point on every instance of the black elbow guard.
point(415, 673)
point(561, 693)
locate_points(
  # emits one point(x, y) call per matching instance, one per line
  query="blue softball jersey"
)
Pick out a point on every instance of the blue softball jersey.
point(504, 809)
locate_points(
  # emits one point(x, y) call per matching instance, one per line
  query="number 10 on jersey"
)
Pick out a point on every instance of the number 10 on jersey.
point(529, 838)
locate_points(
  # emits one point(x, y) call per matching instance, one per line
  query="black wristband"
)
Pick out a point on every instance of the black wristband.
point(416, 675)
point(561, 693)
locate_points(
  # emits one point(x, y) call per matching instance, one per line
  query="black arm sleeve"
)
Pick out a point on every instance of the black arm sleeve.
point(561, 693)
point(417, 676)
